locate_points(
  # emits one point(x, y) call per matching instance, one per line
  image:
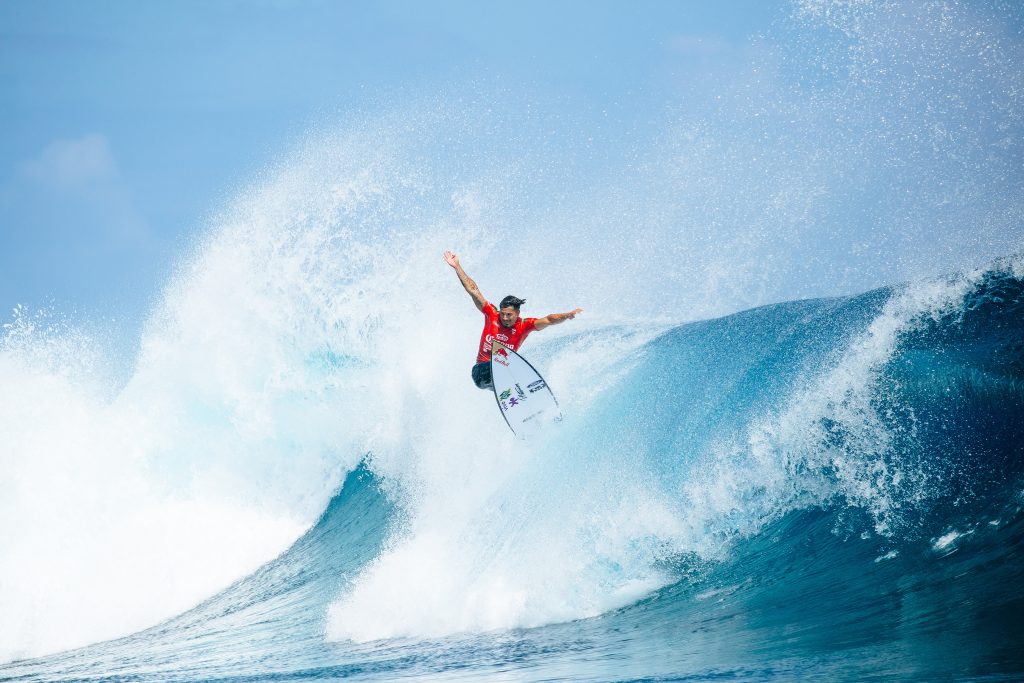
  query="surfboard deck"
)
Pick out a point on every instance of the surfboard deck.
point(523, 396)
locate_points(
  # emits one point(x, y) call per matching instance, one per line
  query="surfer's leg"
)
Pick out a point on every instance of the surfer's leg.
point(482, 376)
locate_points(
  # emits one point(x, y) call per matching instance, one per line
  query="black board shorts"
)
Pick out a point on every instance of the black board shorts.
point(482, 375)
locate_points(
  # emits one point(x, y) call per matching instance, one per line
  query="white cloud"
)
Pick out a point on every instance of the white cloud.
point(74, 163)
point(78, 186)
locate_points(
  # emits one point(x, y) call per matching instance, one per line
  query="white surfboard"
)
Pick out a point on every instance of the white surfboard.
point(523, 396)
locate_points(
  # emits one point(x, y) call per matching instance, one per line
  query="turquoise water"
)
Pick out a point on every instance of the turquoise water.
point(846, 474)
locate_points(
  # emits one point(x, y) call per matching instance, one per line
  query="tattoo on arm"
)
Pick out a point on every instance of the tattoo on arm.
point(471, 288)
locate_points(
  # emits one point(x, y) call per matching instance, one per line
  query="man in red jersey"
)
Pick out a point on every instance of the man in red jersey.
point(501, 323)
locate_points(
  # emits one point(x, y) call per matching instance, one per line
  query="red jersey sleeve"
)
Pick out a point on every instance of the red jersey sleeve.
point(529, 324)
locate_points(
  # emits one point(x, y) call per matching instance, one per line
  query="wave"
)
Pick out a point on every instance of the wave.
point(849, 466)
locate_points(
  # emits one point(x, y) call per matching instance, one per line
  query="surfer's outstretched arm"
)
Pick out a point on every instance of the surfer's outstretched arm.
point(555, 318)
point(467, 282)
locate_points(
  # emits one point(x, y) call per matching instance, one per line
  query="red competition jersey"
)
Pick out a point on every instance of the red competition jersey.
point(513, 337)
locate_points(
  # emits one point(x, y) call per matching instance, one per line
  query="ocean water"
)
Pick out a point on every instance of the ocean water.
point(793, 445)
point(829, 489)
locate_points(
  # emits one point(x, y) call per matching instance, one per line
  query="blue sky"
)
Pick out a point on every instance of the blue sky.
point(126, 123)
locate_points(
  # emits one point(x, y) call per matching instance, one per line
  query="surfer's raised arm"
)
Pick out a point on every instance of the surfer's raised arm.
point(555, 318)
point(467, 282)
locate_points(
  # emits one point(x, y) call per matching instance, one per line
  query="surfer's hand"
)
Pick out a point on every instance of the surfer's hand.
point(451, 259)
point(555, 318)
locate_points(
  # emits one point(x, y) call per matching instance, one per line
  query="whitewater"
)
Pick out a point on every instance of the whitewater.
point(793, 444)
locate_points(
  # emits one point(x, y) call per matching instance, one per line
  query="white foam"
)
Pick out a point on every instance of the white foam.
point(94, 547)
point(948, 539)
point(892, 554)
point(509, 550)
point(269, 369)
point(943, 541)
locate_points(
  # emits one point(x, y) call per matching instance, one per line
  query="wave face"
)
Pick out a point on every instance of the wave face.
point(831, 487)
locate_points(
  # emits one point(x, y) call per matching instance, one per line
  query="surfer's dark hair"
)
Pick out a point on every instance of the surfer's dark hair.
point(512, 301)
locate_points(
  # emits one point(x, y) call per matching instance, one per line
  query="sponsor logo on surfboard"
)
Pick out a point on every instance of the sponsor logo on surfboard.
point(520, 393)
point(509, 403)
point(535, 386)
point(499, 355)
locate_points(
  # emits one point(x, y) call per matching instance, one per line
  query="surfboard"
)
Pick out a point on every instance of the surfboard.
point(524, 398)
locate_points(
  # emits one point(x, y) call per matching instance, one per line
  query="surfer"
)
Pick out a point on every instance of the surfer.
point(501, 323)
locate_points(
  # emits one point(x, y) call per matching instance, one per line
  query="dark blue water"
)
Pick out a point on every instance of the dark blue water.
point(849, 473)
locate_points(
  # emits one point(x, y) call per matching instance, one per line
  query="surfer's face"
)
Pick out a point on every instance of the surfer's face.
point(508, 316)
